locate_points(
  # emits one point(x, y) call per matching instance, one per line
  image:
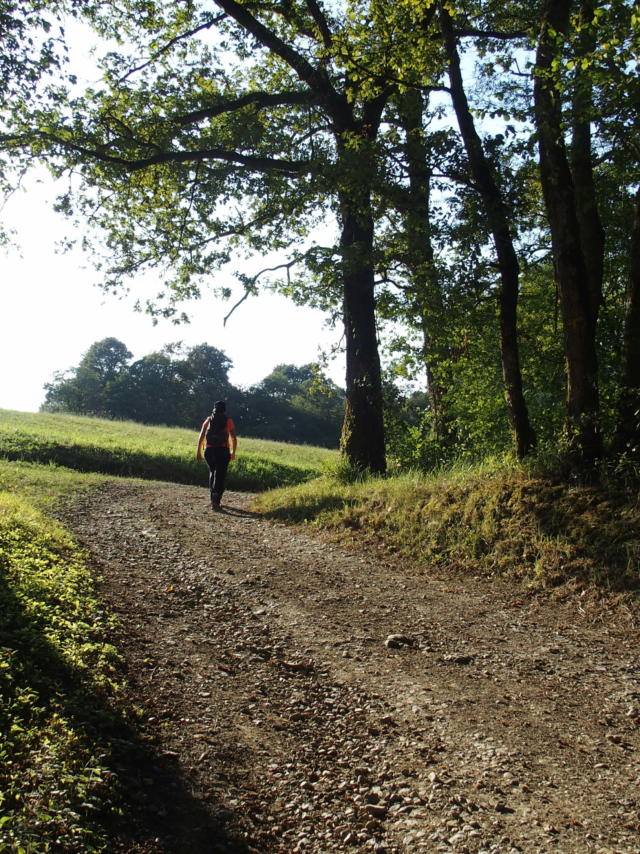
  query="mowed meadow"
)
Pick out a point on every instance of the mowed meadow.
point(63, 723)
point(128, 449)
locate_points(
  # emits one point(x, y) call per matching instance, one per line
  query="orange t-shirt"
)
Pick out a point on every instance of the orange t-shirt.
point(228, 428)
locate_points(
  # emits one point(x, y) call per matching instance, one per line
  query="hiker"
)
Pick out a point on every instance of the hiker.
point(215, 432)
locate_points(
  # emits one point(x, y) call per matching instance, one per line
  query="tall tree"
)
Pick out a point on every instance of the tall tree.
point(579, 322)
point(487, 185)
point(88, 389)
point(627, 435)
point(237, 126)
point(424, 289)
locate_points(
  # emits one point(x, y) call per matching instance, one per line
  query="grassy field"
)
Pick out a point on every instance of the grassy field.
point(497, 519)
point(161, 453)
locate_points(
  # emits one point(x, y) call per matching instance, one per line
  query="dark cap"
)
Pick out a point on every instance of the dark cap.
point(220, 405)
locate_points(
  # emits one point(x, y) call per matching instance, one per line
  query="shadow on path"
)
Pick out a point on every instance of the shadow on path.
point(146, 806)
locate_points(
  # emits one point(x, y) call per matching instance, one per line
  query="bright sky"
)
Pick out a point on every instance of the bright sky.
point(50, 314)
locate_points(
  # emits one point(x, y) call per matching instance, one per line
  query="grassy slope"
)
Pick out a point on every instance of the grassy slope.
point(160, 453)
point(59, 695)
point(496, 520)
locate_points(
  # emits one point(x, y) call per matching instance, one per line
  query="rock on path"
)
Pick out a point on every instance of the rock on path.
point(281, 719)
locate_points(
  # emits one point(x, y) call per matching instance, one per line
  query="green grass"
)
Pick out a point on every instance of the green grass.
point(128, 449)
point(59, 688)
point(493, 518)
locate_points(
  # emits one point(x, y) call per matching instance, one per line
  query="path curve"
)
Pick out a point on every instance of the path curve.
point(280, 721)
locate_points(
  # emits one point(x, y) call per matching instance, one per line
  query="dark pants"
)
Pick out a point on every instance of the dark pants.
point(218, 462)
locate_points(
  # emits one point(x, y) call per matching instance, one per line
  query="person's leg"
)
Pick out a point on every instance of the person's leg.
point(210, 458)
point(219, 474)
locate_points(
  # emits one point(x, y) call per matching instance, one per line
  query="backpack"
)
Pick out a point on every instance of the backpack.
point(217, 435)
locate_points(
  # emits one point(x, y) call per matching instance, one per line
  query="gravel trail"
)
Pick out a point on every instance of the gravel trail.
point(298, 695)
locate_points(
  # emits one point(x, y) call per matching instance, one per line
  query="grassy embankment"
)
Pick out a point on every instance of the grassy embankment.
point(64, 731)
point(498, 519)
point(59, 696)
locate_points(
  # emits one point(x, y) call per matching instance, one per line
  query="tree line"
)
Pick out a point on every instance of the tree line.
point(177, 386)
point(480, 161)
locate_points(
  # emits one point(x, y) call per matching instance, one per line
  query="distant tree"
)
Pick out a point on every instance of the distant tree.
point(149, 392)
point(178, 386)
point(285, 381)
point(202, 373)
point(88, 389)
point(294, 404)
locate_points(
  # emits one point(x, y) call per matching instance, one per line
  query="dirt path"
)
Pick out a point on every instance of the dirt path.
point(279, 721)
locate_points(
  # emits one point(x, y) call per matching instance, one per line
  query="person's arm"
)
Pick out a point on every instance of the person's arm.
point(203, 432)
point(234, 443)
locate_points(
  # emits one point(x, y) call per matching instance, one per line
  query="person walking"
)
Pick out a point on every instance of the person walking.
point(215, 433)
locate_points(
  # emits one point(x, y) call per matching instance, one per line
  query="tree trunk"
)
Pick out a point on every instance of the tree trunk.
point(426, 300)
point(627, 436)
point(523, 433)
point(362, 440)
point(583, 433)
point(591, 230)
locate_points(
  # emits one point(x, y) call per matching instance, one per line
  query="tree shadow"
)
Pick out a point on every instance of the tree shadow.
point(592, 535)
point(143, 804)
point(305, 509)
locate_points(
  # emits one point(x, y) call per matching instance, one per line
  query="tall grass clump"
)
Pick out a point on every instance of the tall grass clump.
point(58, 689)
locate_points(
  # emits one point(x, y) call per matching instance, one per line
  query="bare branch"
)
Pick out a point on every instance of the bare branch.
point(246, 296)
point(258, 164)
point(250, 282)
point(490, 34)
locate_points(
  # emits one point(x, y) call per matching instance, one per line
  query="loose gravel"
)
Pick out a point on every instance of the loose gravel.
point(299, 695)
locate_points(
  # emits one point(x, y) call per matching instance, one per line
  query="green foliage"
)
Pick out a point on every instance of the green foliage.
point(174, 386)
point(58, 690)
point(178, 387)
point(293, 403)
point(212, 148)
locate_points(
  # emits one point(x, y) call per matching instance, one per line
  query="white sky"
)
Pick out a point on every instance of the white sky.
point(50, 314)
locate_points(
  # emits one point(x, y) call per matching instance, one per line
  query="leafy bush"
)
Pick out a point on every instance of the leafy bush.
point(58, 689)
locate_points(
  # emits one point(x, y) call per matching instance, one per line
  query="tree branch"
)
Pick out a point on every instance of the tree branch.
point(258, 164)
point(258, 99)
point(321, 22)
point(251, 280)
point(489, 34)
point(246, 296)
point(316, 79)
